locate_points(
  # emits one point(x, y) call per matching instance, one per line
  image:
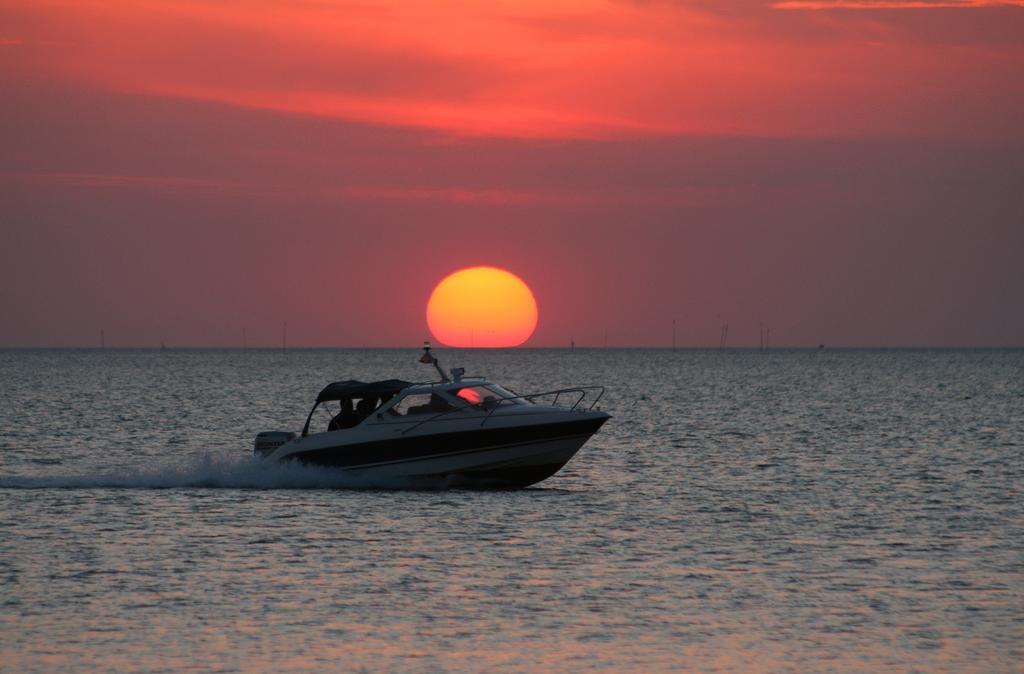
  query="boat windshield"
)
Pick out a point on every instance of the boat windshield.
point(507, 395)
point(421, 403)
point(488, 396)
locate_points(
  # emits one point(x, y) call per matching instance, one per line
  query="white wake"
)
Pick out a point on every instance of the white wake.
point(209, 471)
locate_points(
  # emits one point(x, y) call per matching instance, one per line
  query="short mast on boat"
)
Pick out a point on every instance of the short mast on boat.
point(429, 359)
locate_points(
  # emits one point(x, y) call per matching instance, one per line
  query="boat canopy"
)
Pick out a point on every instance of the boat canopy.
point(340, 390)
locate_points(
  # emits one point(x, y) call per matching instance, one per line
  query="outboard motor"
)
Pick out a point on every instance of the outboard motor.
point(268, 441)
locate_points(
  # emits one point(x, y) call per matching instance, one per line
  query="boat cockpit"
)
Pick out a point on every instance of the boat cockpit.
point(359, 401)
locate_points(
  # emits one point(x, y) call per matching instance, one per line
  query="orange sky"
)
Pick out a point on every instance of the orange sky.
point(684, 129)
point(540, 69)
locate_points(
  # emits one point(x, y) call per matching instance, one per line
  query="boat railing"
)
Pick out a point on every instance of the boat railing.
point(557, 393)
point(583, 392)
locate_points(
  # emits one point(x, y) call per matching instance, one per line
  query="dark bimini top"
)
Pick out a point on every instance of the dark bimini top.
point(340, 390)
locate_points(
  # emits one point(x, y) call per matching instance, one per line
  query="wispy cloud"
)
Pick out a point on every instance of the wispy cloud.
point(589, 69)
point(115, 181)
point(374, 192)
point(894, 4)
point(451, 194)
point(509, 197)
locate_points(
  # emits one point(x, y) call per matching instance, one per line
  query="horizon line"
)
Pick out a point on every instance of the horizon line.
point(626, 347)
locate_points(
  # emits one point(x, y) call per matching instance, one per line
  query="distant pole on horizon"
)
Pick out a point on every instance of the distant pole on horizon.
point(572, 344)
point(760, 336)
point(724, 338)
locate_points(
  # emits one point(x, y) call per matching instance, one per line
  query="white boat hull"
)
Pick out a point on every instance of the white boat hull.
point(509, 451)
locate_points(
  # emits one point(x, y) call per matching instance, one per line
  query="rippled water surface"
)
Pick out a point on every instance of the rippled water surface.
point(791, 511)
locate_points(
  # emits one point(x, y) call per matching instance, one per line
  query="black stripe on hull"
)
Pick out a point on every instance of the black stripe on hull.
point(502, 478)
point(411, 448)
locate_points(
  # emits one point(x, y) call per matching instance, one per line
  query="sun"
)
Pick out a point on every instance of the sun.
point(482, 307)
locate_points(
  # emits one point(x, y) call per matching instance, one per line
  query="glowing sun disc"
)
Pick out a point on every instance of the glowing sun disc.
point(482, 307)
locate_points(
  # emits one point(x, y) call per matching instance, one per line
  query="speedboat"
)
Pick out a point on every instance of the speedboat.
point(457, 432)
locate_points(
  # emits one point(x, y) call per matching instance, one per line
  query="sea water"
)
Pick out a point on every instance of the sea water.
point(801, 510)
